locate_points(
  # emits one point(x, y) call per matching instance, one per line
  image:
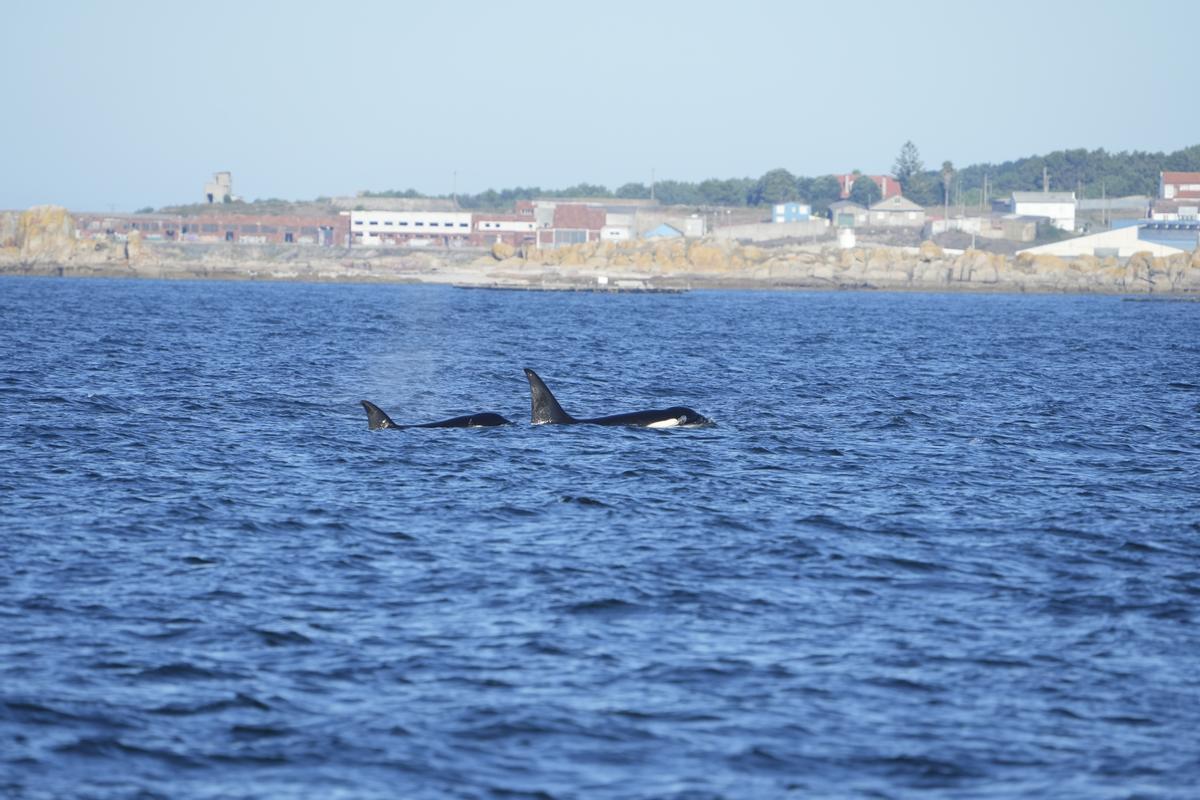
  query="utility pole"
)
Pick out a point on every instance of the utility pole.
point(1045, 179)
point(652, 183)
point(1103, 206)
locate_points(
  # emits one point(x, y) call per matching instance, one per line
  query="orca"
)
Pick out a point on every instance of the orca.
point(377, 420)
point(547, 411)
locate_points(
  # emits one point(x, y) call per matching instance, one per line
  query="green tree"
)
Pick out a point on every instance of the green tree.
point(823, 192)
point(776, 186)
point(909, 170)
point(947, 181)
point(731, 192)
point(584, 190)
point(908, 164)
point(633, 191)
point(865, 191)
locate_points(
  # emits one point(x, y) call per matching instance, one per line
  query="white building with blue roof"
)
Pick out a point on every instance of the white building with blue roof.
point(1145, 236)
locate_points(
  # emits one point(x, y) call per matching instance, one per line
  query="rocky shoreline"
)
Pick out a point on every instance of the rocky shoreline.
point(41, 241)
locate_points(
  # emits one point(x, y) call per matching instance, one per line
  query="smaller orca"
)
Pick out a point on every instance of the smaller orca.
point(377, 420)
point(547, 411)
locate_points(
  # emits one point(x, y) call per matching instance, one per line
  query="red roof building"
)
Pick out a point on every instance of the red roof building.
point(330, 231)
point(888, 186)
point(572, 223)
point(1179, 185)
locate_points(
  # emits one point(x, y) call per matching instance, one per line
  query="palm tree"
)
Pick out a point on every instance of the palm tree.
point(947, 177)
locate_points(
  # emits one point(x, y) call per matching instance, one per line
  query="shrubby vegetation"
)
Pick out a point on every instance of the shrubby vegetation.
point(1089, 172)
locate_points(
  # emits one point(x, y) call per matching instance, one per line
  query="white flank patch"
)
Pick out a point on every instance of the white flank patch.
point(666, 423)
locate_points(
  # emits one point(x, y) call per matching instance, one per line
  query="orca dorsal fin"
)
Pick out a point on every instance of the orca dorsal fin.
point(545, 409)
point(376, 419)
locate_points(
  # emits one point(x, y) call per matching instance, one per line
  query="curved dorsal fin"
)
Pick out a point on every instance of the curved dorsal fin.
point(376, 419)
point(545, 409)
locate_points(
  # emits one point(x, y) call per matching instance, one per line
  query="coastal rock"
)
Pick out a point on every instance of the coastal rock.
point(975, 266)
point(707, 257)
point(753, 255)
point(1139, 271)
point(8, 228)
point(502, 250)
point(46, 234)
point(133, 246)
point(930, 251)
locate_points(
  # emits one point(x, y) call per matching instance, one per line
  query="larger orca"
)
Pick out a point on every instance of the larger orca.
point(377, 420)
point(547, 411)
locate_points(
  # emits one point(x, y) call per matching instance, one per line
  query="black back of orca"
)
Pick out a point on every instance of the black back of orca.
point(377, 420)
point(546, 411)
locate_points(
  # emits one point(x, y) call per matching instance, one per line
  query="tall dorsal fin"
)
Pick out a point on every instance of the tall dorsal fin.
point(376, 419)
point(545, 409)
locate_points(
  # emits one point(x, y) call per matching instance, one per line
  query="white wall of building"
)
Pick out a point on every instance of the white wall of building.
point(1124, 240)
point(1181, 213)
point(504, 225)
point(897, 219)
point(1170, 190)
point(1061, 214)
point(372, 225)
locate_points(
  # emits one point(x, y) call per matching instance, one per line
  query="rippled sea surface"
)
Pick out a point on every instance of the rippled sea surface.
point(935, 545)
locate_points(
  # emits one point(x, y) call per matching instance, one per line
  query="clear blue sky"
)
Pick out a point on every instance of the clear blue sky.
point(118, 105)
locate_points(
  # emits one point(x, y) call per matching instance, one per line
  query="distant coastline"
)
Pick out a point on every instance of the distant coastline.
point(43, 243)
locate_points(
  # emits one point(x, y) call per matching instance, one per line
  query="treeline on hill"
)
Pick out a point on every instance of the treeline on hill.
point(1091, 173)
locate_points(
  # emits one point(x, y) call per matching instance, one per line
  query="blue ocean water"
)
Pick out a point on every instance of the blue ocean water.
point(935, 545)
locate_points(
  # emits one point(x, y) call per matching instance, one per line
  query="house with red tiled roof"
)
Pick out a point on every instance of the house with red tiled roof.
point(888, 186)
point(1179, 185)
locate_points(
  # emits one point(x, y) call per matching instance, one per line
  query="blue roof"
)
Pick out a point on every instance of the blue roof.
point(663, 231)
point(1183, 234)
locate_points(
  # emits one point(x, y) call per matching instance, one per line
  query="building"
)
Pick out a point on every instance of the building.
point(326, 231)
point(1175, 210)
point(663, 231)
point(1156, 238)
point(560, 224)
point(1057, 207)
point(692, 226)
point(845, 214)
point(888, 186)
point(896, 212)
point(791, 212)
point(409, 228)
point(220, 188)
point(618, 225)
point(1179, 185)
point(514, 229)
point(989, 226)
